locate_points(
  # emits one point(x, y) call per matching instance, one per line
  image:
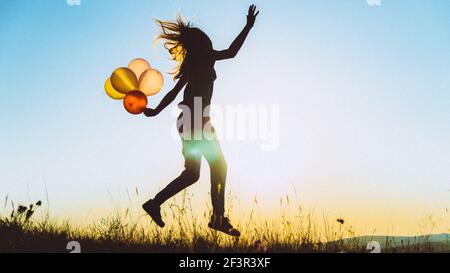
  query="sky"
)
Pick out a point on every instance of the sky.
point(362, 92)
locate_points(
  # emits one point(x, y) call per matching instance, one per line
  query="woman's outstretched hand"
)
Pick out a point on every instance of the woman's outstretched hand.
point(150, 112)
point(251, 17)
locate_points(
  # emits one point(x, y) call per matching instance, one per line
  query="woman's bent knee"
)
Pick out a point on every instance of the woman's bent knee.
point(190, 176)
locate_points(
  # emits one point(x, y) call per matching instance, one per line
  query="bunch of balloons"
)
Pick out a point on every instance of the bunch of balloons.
point(133, 84)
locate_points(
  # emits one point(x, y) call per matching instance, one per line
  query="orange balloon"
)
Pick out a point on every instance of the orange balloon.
point(151, 82)
point(124, 80)
point(135, 102)
point(138, 66)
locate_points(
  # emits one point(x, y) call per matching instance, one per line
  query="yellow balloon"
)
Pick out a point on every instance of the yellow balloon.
point(111, 92)
point(124, 80)
point(138, 66)
point(151, 82)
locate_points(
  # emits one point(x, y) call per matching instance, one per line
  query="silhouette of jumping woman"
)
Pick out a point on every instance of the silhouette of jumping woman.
point(194, 53)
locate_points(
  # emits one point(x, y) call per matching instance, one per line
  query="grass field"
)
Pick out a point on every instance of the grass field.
point(31, 229)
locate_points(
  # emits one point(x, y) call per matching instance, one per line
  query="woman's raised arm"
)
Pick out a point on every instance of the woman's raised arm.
point(234, 48)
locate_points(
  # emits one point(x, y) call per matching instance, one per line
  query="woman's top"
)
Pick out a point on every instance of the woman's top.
point(197, 96)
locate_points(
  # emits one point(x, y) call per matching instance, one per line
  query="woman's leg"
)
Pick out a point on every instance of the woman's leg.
point(189, 176)
point(218, 166)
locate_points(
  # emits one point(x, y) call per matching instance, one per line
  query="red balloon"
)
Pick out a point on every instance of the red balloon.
point(135, 102)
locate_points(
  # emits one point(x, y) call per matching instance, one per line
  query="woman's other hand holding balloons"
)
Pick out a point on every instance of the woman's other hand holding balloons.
point(150, 112)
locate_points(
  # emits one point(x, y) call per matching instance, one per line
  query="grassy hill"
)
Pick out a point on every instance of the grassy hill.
point(19, 232)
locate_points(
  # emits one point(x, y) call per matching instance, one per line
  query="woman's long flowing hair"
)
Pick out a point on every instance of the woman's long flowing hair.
point(188, 46)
